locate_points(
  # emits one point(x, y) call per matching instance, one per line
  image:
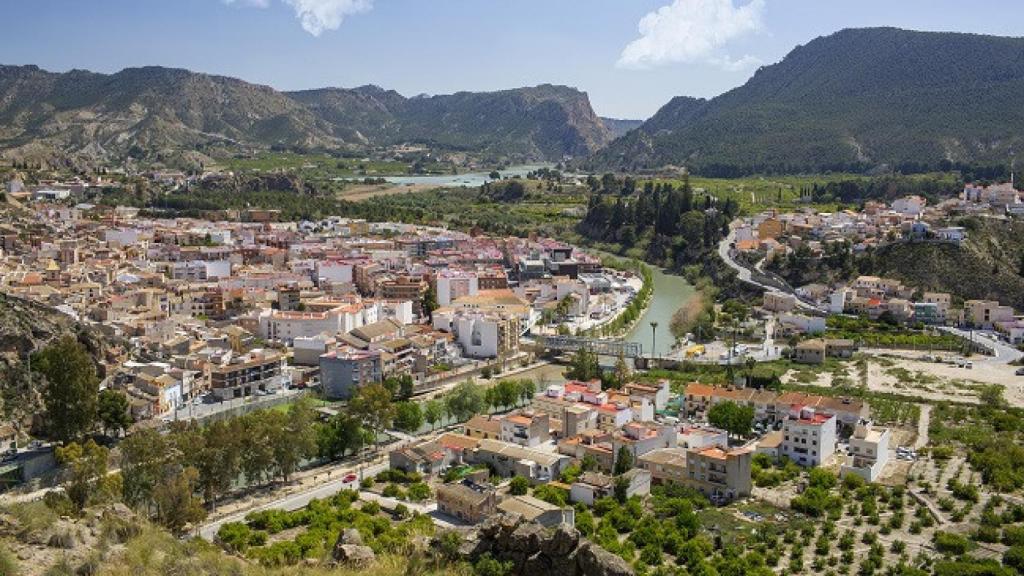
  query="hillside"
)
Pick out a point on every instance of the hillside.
point(987, 266)
point(857, 99)
point(27, 327)
point(145, 111)
point(543, 122)
point(157, 112)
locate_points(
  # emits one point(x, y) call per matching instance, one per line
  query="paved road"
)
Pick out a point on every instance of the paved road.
point(745, 275)
point(1003, 353)
point(295, 501)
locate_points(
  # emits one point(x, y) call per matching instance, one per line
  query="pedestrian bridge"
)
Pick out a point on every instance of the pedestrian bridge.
point(599, 347)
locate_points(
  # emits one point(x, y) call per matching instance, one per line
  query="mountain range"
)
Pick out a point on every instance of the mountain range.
point(151, 110)
point(857, 99)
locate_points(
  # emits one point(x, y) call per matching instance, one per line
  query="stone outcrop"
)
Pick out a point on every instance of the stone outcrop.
point(350, 550)
point(538, 551)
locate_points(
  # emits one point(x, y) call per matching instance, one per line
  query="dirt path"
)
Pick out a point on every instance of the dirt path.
point(922, 426)
point(360, 192)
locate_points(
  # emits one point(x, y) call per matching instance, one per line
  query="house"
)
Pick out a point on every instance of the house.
point(808, 437)
point(779, 301)
point(985, 314)
point(507, 459)
point(427, 458)
point(536, 510)
point(869, 451)
point(593, 485)
point(770, 445)
point(955, 234)
point(810, 351)
point(240, 376)
point(909, 205)
point(695, 437)
point(467, 501)
point(720, 473)
point(484, 427)
point(640, 438)
point(666, 466)
point(526, 429)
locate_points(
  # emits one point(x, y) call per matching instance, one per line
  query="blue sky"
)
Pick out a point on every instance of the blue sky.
point(631, 56)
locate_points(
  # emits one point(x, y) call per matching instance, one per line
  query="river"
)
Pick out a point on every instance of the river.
point(467, 180)
point(670, 293)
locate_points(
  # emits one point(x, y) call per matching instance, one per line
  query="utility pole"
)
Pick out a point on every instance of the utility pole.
point(654, 339)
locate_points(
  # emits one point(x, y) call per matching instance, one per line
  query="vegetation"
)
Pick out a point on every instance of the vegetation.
point(72, 388)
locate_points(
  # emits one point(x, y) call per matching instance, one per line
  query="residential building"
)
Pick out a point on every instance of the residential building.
point(869, 451)
point(536, 510)
point(467, 501)
point(808, 437)
point(720, 473)
point(525, 429)
point(345, 369)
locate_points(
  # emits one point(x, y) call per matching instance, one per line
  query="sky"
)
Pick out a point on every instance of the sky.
point(630, 56)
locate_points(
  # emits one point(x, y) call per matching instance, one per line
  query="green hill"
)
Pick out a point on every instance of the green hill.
point(854, 100)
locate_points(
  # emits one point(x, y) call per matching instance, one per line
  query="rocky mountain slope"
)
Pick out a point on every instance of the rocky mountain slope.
point(544, 122)
point(146, 112)
point(856, 99)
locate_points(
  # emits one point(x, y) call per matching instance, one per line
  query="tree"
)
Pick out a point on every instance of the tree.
point(340, 435)
point(71, 390)
point(144, 456)
point(257, 456)
point(584, 366)
point(113, 412)
point(406, 387)
point(176, 503)
point(85, 466)
point(527, 389)
point(429, 302)
point(731, 417)
point(623, 461)
point(465, 400)
point(433, 412)
point(296, 440)
point(518, 486)
point(217, 457)
point(372, 405)
point(589, 463)
point(621, 489)
point(408, 417)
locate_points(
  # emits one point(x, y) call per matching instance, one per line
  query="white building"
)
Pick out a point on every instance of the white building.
point(456, 284)
point(808, 437)
point(869, 451)
point(909, 205)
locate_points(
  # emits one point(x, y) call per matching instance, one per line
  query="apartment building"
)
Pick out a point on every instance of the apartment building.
point(259, 370)
point(525, 429)
point(344, 370)
point(720, 473)
point(808, 437)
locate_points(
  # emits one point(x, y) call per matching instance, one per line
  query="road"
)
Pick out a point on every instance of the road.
point(1003, 353)
point(295, 501)
point(745, 275)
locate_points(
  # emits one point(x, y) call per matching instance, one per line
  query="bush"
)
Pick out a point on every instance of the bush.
point(235, 536)
point(392, 491)
point(1013, 535)
point(418, 492)
point(951, 544)
point(518, 486)
point(8, 563)
point(401, 511)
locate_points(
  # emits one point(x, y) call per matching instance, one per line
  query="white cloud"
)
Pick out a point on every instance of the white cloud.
point(693, 31)
point(316, 16)
point(319, 15)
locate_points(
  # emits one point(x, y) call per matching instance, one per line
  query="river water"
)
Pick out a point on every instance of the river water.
point(671, 292)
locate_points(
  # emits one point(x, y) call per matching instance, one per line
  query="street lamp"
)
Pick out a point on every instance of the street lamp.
point(654, 338)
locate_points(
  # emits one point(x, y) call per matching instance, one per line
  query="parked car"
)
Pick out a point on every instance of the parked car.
point(349, 478)
point(1020, 371)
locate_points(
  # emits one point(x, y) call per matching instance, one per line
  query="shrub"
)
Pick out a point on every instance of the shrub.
point(401, 511)
point(418, 492)
point(951, 544)
point(518, 486)
point(235, 536)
